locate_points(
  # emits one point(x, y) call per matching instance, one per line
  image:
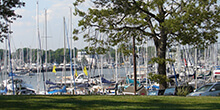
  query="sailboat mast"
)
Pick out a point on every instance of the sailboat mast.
point(30, 58)
point(195, 68)
point(116, 67)
point(116, 64)
point(10, 63)
point(74, 63)
point(71, 72)
point(5, 61)
point(64, 57)
point(101, 70)
point(139, 69)
point(38, 56)
point(146, 62)
point(46, 42)
point(37, 62)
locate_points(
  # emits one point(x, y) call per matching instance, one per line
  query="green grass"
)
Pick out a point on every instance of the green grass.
point(108, 102)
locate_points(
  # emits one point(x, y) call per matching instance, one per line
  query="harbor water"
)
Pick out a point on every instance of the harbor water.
point(36, 79)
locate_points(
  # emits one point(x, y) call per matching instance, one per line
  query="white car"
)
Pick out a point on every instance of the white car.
point(211, 89)
point(26, 91)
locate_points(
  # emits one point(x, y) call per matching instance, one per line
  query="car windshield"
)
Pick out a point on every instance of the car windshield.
point(169, 91)
point(153, 93)
point(204, 88)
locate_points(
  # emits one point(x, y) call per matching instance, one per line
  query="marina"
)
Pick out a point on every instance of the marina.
point(89, 83)
point(143, 47)
point(36, 79)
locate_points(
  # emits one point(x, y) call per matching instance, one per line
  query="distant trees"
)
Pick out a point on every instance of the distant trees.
point(84, 61)
point(1, 55)
point(28, 55)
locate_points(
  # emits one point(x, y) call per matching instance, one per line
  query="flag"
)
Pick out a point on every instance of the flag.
point(76, 73)
point(185, 62)
point(85, 71)
point(54, 69)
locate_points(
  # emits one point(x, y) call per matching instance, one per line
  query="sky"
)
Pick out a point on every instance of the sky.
point(24, 29)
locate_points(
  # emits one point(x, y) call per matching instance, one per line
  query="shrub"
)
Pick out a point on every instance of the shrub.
point(158, 78)
point(184, 90)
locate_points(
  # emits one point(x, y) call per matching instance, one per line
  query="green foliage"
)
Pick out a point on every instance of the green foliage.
point(184, 90)
point(167, 22)
point(8, 14)
point(52, 56)
point(75, 38)
point(126, 49)
point(159, 78)
point(160, 60)
point(94, 50)
point(84, 61)
point(193, 22)
point(2, 54)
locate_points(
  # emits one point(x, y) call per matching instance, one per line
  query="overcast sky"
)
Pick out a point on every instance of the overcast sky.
point(24, 29)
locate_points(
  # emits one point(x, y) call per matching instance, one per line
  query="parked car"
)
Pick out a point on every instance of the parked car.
point(170, 91)
point(180, 90)
point(211, 89)
point(156, 92)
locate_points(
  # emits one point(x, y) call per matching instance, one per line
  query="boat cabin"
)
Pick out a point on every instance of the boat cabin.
point(216, 75)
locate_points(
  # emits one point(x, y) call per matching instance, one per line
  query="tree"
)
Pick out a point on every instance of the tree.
point(167, 22)
point(8, 14)
point(84, 61)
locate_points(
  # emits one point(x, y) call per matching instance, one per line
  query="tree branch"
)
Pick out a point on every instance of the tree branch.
point(151, 28)
point(146, 11)
point(121, 19)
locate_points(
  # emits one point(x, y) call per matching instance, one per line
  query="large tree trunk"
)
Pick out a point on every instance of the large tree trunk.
point(161, 43)
point(134, 63)
point(161, 53)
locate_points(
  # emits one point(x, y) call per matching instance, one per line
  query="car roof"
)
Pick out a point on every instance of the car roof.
point(213, 83)
point(217, 82)
point(170, 87)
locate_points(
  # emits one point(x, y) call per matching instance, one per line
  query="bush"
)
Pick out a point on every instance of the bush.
point(184, 90)
point(158, 78)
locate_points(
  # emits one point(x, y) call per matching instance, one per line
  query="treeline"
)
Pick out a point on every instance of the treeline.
point(30, 55)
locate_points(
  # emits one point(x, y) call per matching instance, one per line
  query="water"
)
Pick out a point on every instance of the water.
point(55, 77)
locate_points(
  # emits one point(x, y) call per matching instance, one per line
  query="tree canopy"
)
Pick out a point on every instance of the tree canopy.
point(7, 14)
point(167, 22)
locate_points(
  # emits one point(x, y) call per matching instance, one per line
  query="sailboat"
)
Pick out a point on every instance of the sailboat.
point(13, 83)
point(4, 91)
point(4, 72)
point(63, 90)
point(40, 77)
point(66, 81)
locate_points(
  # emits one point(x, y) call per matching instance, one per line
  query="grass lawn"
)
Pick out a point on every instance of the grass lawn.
point(108, 102)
